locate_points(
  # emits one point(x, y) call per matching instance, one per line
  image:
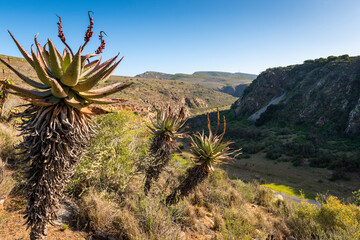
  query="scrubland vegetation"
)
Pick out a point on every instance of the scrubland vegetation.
point(108, 190)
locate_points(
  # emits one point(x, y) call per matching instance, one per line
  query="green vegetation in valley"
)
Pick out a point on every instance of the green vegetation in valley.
point(302, 158)
point(292, 191)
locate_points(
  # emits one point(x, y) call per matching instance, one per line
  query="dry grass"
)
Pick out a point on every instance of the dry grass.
point(220, 208)
point(6, 181)
point(8, 139)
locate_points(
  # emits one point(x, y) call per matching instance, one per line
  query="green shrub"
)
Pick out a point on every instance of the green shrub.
point(273, 154)
point(332, 220)
point(114, 156)
point(356, 197)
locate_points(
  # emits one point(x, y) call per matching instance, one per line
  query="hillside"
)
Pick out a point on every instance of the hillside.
point(208, 79)
point(145, 93)
point(236, 91)
point(225, 74)
point(321, 93)
point(148, 93)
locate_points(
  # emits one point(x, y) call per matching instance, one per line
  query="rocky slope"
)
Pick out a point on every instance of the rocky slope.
point(235, 91)
point(322, 93)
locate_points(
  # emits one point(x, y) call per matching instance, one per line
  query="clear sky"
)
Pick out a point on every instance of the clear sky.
point(184, 36)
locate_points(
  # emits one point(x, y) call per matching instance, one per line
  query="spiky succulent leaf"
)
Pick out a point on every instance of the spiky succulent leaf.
point(89, 68)
point(106, 100)
point(24, 78)
point(67, 60)
point(52, 100)
point(105, 91)
point(23, 51)
point(57, 90)
point(54, 61)
point(73, 71)
point(40, 70)
point(25, 92)
point(102, 74)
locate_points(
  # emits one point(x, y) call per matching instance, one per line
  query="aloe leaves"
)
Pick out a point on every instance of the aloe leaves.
point(25, 92)
point(66, 78)
point(24, 78)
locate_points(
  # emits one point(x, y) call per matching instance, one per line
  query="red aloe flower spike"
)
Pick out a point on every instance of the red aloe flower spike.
point(62, 36)
point(102, 45)
point(89, 32)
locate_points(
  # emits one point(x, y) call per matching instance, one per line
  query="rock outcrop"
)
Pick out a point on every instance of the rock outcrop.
point(324, 93)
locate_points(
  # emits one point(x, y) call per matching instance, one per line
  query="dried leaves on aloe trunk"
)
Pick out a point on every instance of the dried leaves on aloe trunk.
point(166, 128)
point(207, 151)
point(53, 139)
point(57, 124)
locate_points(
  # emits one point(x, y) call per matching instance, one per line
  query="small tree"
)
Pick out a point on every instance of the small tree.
point(207, 151)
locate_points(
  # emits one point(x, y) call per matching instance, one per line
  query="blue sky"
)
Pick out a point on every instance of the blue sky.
point(192, 35)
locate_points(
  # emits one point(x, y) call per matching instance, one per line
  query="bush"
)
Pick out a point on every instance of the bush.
point(252, 148)
point(322, 159)
point(356, 197)
point(305, 149)
point(332, 220)
point(273, 154)
point(115, 155)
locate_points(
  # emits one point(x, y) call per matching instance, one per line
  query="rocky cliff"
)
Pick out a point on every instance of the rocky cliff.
point(324, 93)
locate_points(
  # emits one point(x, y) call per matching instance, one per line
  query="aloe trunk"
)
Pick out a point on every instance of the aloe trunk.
point(195, 176)
point(161, 152)
point(53, 139)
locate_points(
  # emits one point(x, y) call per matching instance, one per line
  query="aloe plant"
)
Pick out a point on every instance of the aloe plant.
point(57, 123)
point(207, 152)
point(165, 129)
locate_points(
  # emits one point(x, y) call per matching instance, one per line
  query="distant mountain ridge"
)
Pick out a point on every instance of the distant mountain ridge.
point(160, 75)
point(230, 83)
point(226, 74)
point(322, 93)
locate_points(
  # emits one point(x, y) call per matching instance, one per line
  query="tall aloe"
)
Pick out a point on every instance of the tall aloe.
point(207, 151)
point(57, 123)
point(166, 128)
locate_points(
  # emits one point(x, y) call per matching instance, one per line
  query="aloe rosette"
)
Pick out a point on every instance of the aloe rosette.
point(66, 78)
point(57, 123)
